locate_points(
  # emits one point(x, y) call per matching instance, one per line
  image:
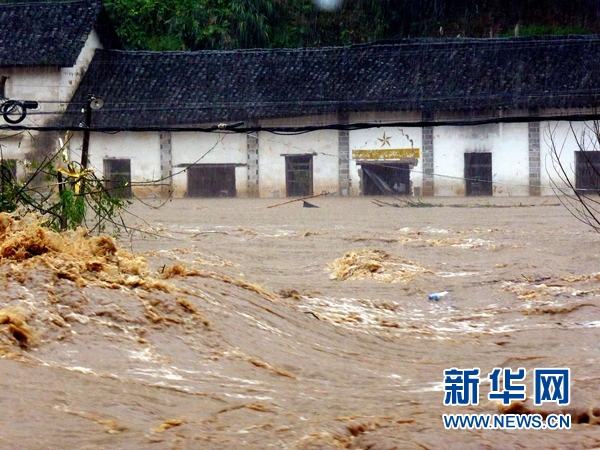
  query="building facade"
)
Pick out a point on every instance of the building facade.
point(447, 117)
point(44, 62)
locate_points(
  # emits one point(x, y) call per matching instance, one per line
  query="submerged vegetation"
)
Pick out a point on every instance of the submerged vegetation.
point(62, 192)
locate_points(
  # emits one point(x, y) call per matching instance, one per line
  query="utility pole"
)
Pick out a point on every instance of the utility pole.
point(93, 102)
point(87, 122)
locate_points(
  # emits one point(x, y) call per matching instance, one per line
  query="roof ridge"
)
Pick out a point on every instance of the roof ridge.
point(508, 42)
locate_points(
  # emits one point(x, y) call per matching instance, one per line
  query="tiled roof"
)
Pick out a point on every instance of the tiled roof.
point(46, 34)
point(174, 88)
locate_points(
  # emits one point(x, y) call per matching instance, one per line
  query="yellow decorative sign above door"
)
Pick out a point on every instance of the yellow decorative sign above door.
point(385, 154)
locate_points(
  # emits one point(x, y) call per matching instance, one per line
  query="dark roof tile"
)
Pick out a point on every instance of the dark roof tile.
point(49, 34)
point(176, 88)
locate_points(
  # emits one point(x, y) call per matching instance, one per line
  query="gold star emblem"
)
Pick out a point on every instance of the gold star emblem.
point(385, 140)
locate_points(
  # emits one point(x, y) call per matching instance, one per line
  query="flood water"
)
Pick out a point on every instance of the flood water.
point(244, 328)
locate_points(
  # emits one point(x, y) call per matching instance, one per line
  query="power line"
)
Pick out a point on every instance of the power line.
point(239, 128)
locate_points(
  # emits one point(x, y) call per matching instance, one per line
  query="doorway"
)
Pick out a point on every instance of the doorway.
point(298, 175)
point(587, 171)
point(211, 180)
point(385, 179)
point(478, 174)
point(117, 173)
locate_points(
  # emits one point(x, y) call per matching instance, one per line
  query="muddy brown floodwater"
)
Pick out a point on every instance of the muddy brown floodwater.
point(242, 326)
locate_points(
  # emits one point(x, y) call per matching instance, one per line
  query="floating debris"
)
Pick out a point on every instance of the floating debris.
point(168, 424)
point(14, 325)
point(408, 203)
point(539, 288)
point(376, 264)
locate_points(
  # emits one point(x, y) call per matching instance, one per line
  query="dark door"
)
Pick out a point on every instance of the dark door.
point(118, 177)
point(298, 175)
point(385, 179)
point(587, 171)
point(478, 173)
point(211, 181)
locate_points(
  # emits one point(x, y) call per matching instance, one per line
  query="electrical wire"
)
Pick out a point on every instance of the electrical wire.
point(300, 129)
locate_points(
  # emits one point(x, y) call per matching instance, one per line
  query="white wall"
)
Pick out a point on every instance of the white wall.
point(208, 148)
point(41, 84)
point(400, 137)
point(558, 143)
point(143, 149)
point(32, 83)
point(52, 87)
point(372, 139)
point(71, 76)
point(508, 143)
point(271, 165)
point(10, 144)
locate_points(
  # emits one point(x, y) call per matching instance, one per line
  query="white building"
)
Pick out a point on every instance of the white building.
point(447, 117)
point(44, 52)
